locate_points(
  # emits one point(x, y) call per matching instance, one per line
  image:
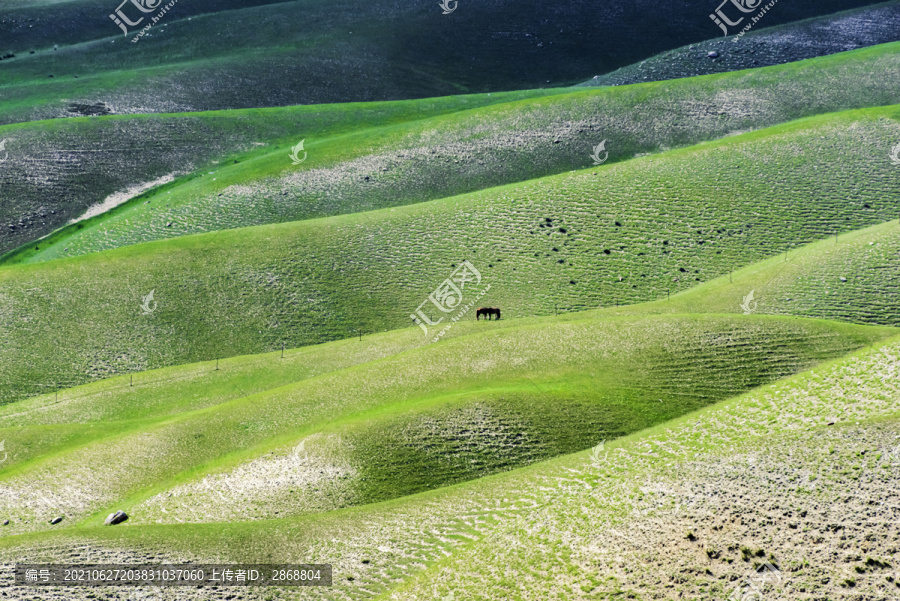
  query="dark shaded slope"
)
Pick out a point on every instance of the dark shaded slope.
point(760, 47)
point(310, 51)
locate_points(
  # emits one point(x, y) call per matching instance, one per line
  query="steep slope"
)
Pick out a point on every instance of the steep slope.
point(851, 277)
point(809, 273)
point(764, 478)
point(360, 167)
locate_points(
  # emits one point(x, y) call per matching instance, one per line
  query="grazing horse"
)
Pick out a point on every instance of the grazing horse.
point(488, 312)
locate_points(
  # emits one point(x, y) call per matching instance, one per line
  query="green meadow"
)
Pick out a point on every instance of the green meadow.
point(571, 242)
point(363, 157)
point(262, 359)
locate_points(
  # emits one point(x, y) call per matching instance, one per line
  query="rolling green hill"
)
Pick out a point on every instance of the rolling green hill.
point(368, 157)
point(273, 359)
point(55, 171)
point(807, 275)
point(630, 233)
point(661, 486)
point(396, 426)
point(852, 277)
point(723, 490)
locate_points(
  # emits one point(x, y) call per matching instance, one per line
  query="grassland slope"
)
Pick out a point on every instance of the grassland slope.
point(570, 242)
point(442, 414)
point(592, 523)
point(385, 158)
point(850, 277)
point(316, 51)
point(56, 171)
point(808, 284)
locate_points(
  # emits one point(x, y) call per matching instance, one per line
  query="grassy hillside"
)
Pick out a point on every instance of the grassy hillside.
point(852, 277)
point(313, 51)
point(406, 156)
point(274, 361)
point(56, 170)
point(441, 414)
point(819, 36)
point(630, 233)
point(591, 523)
point(810, 275)
point(761, 478)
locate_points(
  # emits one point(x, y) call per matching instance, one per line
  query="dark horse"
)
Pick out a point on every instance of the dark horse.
point(487, 312)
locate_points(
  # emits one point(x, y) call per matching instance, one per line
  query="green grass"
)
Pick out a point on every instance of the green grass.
point(434, 416)
point(104, 161)
point(805, 277)
point(460, 460)
point(410, 152)
point(852, 277)
point(591, 521)
point(546, 516)
point(685, 217)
